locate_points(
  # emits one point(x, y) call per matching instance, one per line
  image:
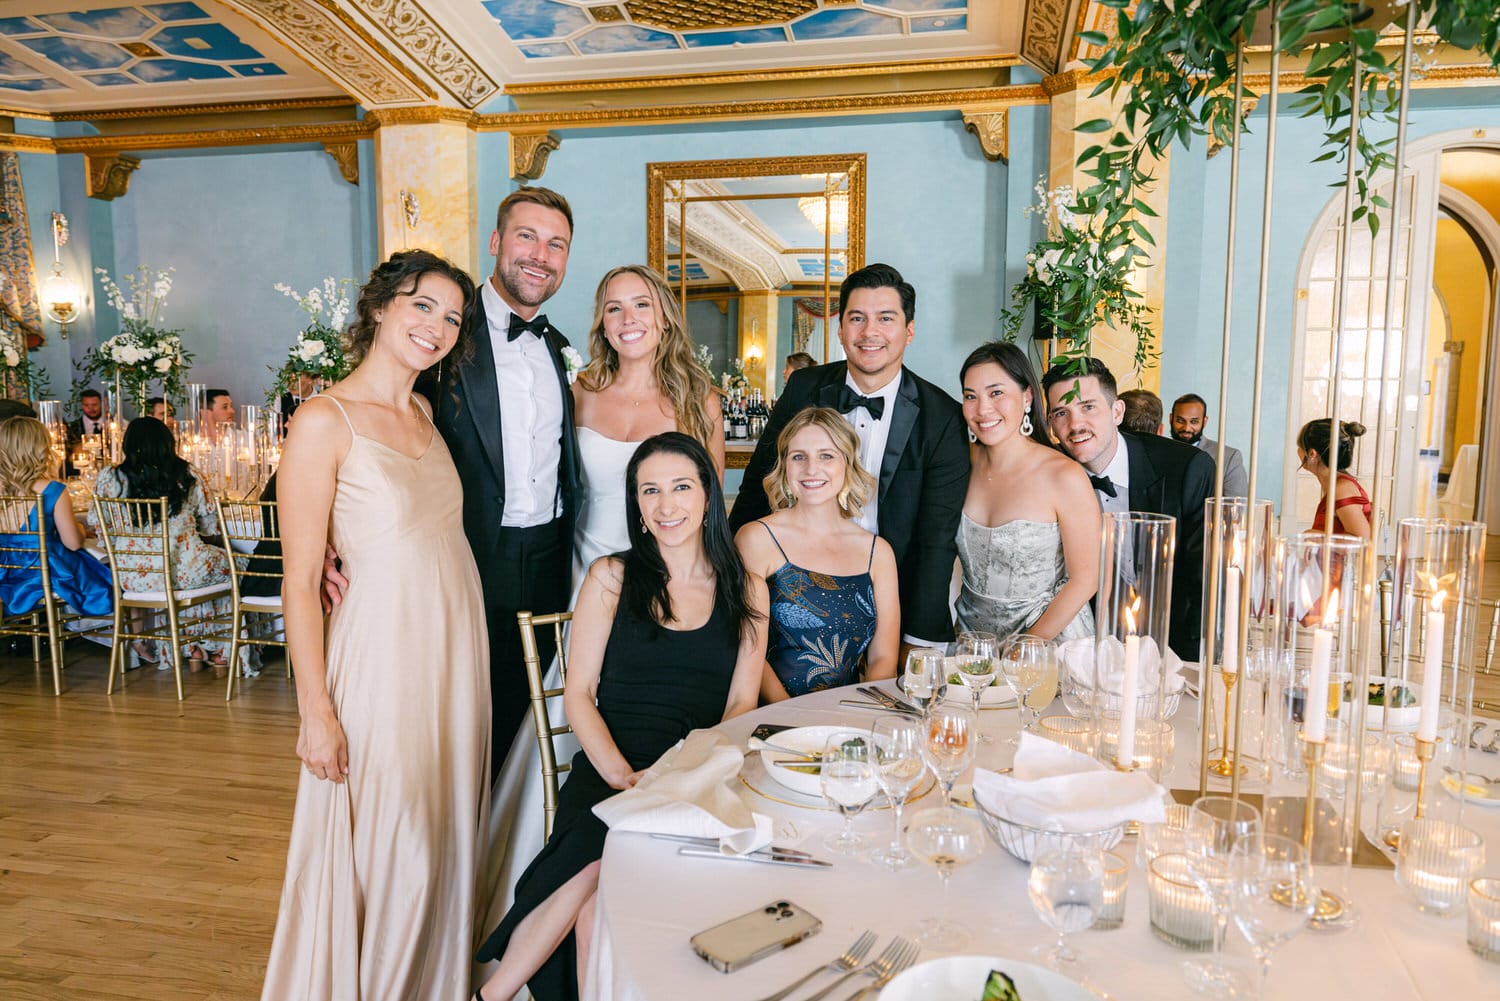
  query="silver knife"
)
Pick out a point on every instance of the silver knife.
point(878, 707)
point(713, 844)
point(763, 856)
point(881, 695)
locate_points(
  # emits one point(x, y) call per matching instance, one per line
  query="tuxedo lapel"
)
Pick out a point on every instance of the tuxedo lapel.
point(482, 392)
point(903, 417)
point(1145, 478)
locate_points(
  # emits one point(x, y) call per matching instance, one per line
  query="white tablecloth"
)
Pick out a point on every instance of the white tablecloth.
point(651, 901)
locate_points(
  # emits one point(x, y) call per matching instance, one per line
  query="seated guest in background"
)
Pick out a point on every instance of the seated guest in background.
point(1029, 536)
point(667, 637)
point(92, 420)
point(16, 408)
point(1132, 472)
point(152, 468)
point(834, 599)
point(1189, 421)
point(218, 411)
point(26, 467)
point(796, 362)
point(1142, 412)
point(1351, 505)
point(159, 408)
point(911, 440)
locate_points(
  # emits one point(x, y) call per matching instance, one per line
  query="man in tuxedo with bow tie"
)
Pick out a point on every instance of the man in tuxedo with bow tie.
point(506, 414)
point(1133, 472)
point(911, 439)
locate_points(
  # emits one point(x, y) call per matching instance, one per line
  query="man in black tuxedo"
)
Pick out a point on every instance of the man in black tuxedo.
point(92, 420)
point(506, 414)
point(1132, 472)
point(911, 436)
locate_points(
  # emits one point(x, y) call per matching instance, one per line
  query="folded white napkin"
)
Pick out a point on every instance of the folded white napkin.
point(687, 792)
point(1078, 661)
point(1055, 788)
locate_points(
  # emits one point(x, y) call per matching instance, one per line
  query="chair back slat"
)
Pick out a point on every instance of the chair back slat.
point(137, 537)
point(541, 717)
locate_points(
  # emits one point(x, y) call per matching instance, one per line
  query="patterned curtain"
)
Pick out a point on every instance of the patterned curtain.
point(805, 316)
point(19, 306)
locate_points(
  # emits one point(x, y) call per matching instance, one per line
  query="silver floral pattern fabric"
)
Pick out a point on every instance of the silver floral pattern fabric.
point(1011, 574)
point(821, 625)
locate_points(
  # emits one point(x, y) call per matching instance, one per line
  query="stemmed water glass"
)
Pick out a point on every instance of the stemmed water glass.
point(926, 679)
point(975, 659)
point(1215, 826)
point(898, 767)
point(1027, 663)
point(1066, 887)
point(1271, 894)
point(946, 839)
point(848, 780)
point(950, 744)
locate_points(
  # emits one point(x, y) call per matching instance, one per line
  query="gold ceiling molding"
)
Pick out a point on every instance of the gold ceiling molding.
point(424, 115)
point(421, 38)
point(916, 66)
point(15, 142)
point(687, 15)
point(346, 155)
point(1477, 74)
point(335, 44)
point(529, 152)
point(1062, 83)
point(108, 175)
point(992, 129)
point(1045, 31)
point(211, 138)
point(175, 110)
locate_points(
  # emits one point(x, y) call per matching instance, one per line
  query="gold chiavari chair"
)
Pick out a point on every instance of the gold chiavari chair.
point(546, 733)
point(252, 540)
point(23, 550)
point(1486, 670)
point(138, 529)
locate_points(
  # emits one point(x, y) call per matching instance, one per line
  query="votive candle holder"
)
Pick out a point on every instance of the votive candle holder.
point(1111, 913)
point(1167, 836)
point(1069, 731)
point(1182, 915)
point(1435, 862)
point(1484, 918)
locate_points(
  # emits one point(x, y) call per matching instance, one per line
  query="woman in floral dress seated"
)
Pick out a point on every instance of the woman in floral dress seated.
point(834, 597)
point(152, 468)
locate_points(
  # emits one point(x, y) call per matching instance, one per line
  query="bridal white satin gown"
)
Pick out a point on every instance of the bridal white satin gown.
point(516, 802)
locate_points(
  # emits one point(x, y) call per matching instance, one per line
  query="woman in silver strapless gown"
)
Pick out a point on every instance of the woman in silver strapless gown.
point(1029, 535)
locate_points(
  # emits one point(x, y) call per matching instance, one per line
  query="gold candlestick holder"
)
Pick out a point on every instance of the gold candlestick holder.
point(1330, 907)
point(1425, 750)
point(1224, 767)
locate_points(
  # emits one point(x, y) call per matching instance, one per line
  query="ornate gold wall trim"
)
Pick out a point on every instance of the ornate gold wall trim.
point(992, 129)
point(1478, 74)
point(1070, 80)
point(346, 155)
point(529, 152)
point(210, 138)
point(1044, 32)
point(108, 175)
point(762, 76)
point(424, 115)
point(175, 110)
point(16, 143)
point(421, 38)
point(338, 46)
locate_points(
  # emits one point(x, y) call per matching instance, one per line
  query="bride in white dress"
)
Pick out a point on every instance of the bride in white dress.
point(642, 379)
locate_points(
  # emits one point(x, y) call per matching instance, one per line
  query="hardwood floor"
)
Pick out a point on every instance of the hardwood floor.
point(142, 840)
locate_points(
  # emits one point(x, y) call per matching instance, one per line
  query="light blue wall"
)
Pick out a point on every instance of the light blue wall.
point(1196, 234)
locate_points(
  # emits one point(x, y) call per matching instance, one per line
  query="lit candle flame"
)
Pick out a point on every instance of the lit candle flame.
point(1331, 612)
point(1439, 592)
point(1130, 616)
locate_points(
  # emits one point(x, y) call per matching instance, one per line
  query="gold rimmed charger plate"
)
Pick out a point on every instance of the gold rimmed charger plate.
point(753, 776)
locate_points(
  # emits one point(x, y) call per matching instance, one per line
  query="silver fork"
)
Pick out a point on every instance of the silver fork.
point(847, 961)
point(878, 968)
point(903, 960)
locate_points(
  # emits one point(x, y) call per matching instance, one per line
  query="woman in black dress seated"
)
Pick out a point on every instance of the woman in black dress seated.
point(667, 637)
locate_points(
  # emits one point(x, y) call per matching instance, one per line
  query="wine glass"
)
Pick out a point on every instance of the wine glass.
point(1027, 663)
point(848, 780)
point(950, 745)
point(898, 768)
point(1271, 894)
point(944, 838)
point(1215, 825)
point(1066, 887)
point(926, 676)
point(975, 659)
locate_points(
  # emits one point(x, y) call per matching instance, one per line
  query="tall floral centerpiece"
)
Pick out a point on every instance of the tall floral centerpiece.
point(20, 377)
point(318, 352)
point(142, 352)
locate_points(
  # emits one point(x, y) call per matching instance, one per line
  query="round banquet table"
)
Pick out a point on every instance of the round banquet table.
point(651, 901)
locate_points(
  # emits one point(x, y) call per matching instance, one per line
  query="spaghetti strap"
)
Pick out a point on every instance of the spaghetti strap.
point(776, 541)
point(418, 404)
point(334, 400)
point(871, 564)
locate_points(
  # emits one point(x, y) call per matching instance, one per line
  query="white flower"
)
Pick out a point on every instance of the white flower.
point(572, 363)
point(127, 310)
point(1047, 265)
point(11, 358)
point(162, 365)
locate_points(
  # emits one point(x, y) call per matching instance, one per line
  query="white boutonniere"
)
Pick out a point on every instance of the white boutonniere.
point(572, 363)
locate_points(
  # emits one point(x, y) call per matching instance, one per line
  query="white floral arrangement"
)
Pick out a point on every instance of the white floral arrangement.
point(22, 378)
point(141, 353)
point(318, 352)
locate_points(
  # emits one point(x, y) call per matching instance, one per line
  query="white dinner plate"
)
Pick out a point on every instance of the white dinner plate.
point(1476, 792)
point(809, 740)
point(961, 978)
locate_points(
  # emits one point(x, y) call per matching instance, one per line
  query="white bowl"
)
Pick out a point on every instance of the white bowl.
point(961, 978)
point(809, 740)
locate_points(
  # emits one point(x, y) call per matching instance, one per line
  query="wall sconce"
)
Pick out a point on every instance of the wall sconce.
point(753, 357)
point(61, 296)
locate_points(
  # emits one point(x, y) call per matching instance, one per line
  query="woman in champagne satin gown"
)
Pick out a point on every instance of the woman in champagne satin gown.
point(386, 843)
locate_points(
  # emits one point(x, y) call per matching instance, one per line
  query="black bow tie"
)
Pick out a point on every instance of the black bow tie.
point(1104, 485)
point(536, 325)
point(843, 399)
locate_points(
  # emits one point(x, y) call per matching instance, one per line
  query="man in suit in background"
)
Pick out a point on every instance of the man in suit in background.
point(1189, 420)
point(1133, 472)
point(1142, 411)
point(911, 439)
point(92, 420)
point(506, 414)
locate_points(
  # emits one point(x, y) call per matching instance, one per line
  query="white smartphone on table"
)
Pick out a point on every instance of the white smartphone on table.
point(741, 941)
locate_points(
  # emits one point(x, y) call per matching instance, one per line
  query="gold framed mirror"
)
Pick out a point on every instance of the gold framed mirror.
point(771, 236)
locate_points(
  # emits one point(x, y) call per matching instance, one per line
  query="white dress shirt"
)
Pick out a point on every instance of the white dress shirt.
point(531, 418)
point(92, 425)
point(873, 436)
point(1118, 472)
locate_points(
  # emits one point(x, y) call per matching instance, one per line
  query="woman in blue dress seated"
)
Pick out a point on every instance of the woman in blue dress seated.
point(834, 598)
point(667, 638)
point(79, 579)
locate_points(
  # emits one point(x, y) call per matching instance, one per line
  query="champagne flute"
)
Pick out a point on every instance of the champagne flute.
point(944, 838)
point(976, 667)
point(898, 768)
point(848, 780)
point(1215, 825)
point(926, 676)
point(1271, 894)
point(1066, 887)
point(1026, 662)
point(950, 745)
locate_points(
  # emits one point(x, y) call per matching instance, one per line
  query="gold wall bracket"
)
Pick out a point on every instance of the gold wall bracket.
point(529, 152)
point(109, 174)
point(992, 129)
point(346, 155)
